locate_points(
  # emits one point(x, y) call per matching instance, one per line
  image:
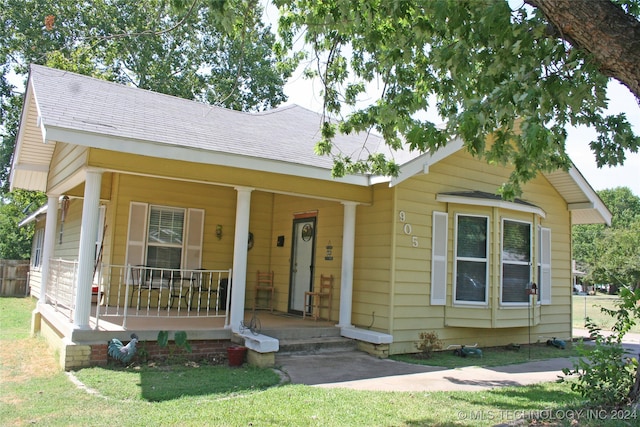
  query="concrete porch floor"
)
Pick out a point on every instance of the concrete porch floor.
point(147, 327)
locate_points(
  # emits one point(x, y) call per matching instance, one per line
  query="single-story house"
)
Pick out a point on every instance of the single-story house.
point(162, 211)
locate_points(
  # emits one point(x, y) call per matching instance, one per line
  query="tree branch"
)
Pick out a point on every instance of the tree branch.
point(602, 29)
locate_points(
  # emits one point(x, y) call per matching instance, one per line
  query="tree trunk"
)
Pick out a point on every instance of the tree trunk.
point(602, 29)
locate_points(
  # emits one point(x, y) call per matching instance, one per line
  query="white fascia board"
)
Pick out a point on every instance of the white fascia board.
point(19, 138)
point(33, 216)
point(196, 155)
point(590, 194)
point(475, 201)
point(31, 167)
point(422, 163)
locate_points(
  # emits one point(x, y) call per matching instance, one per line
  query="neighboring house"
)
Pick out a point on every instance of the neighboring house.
point(146, 188)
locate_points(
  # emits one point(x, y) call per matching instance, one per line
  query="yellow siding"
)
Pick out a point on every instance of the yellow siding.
point(491, 325)
point(392, 266)
point(67, 160)
point(328, 229)
point(229, 176)
point(218, 203)
point(271, 216)
point(372, 280)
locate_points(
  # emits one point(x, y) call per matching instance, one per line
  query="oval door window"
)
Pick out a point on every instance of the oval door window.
point(307, 232)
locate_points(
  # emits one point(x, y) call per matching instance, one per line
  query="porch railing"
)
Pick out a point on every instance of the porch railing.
point(140, 291)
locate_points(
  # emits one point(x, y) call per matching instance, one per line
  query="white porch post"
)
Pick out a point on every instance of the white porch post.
point(346, 279)
point(86, 253)
point(48, 244)
point(239, 280)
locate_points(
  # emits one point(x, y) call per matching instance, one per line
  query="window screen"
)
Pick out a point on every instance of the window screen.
point(164, 241)
point(516, 261)
point(471, 258)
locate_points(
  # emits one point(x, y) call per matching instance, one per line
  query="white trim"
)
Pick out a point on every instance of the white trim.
point(477, 201)
point(422, 163)
point(518, 263)
point(588, 191)
point(34, 216)
point(196, 155)
point(487, 262)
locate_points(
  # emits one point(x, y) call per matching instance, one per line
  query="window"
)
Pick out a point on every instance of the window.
point(38, 240)
point(471, 259)
point(164, 238)
point(516, 261)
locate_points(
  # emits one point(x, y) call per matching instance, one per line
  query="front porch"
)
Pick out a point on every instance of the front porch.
point(146, 300)
point(208, 336)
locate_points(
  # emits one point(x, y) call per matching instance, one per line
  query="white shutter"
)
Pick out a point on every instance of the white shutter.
point(193, 239)
point(545, 266)
point(439, 259)
point(137, 234)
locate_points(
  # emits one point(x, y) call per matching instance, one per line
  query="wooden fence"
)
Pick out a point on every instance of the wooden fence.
point(14, 278)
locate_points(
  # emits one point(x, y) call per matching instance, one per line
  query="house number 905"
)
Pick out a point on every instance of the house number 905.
point(407, 229)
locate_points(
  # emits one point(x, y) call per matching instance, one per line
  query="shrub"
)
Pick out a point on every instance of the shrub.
point(429, 342)
point(605, 376)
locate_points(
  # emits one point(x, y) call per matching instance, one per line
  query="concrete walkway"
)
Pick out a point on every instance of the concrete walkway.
point(360, 371)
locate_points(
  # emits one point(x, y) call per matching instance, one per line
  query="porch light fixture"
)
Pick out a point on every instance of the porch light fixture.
point(219, 231)
point(64, 208)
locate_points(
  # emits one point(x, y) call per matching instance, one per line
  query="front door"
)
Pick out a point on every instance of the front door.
point(302, 251)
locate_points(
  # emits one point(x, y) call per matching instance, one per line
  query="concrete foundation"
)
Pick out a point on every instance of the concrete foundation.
point(261, 360)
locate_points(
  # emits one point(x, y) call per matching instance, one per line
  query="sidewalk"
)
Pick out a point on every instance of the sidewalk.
point(360, 371)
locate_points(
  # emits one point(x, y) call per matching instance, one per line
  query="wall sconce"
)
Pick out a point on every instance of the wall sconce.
point(64, 208)
point(219, 231)
point(280, 241)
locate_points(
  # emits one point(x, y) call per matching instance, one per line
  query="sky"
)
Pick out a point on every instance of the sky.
point(306, 94)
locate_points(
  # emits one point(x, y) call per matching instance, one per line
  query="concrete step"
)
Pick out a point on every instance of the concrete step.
point(302, 333)
point(316, 345)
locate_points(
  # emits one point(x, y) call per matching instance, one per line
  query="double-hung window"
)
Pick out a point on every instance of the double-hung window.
point(38, 242)
point(471, 264)
point(516, 261)
point(164, 239)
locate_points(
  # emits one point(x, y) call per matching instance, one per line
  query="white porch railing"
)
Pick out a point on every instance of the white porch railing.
point(141, 291)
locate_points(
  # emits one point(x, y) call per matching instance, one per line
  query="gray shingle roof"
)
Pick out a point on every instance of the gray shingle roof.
point(77, 102)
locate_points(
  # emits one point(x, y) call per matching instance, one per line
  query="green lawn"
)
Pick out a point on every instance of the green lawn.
point(589, 306)
point(34, 391)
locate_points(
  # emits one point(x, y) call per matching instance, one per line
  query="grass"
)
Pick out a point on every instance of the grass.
point(589, 306)
point(34, 391)
point(493, 356)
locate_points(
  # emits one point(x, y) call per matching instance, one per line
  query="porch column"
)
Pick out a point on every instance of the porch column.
point(346, 278)
point(48, 244)
point(86, 253)
point(239, 279)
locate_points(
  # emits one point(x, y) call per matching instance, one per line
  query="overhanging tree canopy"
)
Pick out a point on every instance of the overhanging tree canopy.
point(193, 53)
point(518, 74)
